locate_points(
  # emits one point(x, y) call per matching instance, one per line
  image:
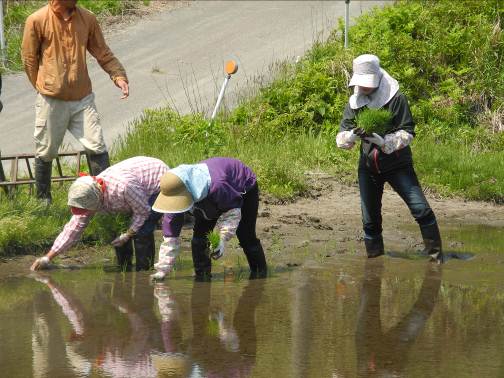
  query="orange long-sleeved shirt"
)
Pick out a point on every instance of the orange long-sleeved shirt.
point(54, 53)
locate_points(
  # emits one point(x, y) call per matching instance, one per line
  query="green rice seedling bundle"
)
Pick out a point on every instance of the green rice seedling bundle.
point(374, 120)
point(214, 239)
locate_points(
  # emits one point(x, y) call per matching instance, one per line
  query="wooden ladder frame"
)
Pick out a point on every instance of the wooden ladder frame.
point(9, 185)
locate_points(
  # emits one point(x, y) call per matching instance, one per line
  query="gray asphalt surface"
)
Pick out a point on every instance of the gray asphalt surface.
point(176, 58)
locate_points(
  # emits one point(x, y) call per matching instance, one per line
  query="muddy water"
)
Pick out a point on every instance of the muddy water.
point(344, 317)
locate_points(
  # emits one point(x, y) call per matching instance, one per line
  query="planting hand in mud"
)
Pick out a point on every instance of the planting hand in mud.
point(218, 252)
point(121, 239)
point(40, 263)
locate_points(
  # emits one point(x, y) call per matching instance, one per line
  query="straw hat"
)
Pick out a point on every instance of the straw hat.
point(174, 196)
point(85, 193)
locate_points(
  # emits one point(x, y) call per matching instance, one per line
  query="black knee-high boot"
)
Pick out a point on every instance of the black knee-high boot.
point(43, 171)
point(124, 255)
point(144, 251)
point(98, 163)
point(432, 242)
point(256, 260)
point(374, 246)
point(201, 260)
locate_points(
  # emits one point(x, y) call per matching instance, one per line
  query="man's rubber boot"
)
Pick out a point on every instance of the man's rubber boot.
point(374, 246)
point(144, 252)
point(256, 260)
point(98, 163)
point(124, 255)
point(43, 171)
point(432, 242)
point(200, 248)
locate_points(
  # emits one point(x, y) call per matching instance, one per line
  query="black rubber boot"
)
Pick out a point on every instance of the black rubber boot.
point(374, 247)
point(201, 259)
point(144, 252)
point(256, 260)
point(98, 163)
point(43, 171)
point(432, 242)
point(124, 255)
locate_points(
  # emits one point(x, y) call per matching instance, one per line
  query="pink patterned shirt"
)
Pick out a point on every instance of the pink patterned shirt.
point(128, 187)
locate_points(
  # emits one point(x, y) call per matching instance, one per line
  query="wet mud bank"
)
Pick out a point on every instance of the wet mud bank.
point(326, 224)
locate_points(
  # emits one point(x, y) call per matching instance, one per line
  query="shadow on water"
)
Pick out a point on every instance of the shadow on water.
point(345, 317)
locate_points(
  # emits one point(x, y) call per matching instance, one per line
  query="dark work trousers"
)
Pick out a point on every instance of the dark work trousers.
point(246, 231)
point(151, 222)
point(143, 241)
point(405, 182)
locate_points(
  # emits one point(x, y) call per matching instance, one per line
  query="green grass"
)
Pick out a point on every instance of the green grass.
point(16, 12)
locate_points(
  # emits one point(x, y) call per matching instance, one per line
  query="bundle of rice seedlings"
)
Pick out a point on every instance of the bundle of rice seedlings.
point(374, 120)
point(214, 239)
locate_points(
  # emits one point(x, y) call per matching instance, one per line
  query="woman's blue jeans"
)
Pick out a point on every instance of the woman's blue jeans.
point(405, 182)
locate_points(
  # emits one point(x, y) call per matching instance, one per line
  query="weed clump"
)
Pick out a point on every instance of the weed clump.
point(374, 120)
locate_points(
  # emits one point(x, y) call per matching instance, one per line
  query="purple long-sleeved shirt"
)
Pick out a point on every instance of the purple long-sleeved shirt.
point(230, 179)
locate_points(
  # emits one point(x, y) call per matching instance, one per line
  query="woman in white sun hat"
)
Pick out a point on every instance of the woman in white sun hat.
point(387, 157)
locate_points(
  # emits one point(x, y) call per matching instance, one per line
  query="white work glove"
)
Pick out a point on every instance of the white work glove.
point(375, 139)
point(218, 251)
point(158, 276)
point(40, 263)
point(121, 240)
point(355, 134)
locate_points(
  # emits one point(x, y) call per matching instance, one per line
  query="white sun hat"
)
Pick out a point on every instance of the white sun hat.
point(368, 73)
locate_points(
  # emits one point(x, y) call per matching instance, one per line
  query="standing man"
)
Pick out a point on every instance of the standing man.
point(55, 41)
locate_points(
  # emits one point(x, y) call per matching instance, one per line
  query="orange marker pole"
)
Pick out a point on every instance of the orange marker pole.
point(231, 68)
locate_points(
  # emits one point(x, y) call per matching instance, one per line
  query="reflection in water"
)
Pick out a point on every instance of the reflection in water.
point(382, 353)
point(221, 348)
point(127, 340)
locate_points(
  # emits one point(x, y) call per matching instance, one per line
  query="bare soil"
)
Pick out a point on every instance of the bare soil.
point(330, 218)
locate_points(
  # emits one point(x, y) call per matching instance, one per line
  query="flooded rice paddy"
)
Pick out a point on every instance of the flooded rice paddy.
point(346, 316)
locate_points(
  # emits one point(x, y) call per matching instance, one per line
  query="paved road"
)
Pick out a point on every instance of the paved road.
point(176, 58)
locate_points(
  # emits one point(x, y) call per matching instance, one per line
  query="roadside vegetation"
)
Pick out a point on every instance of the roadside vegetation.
point(447, 57)
point(16, 12)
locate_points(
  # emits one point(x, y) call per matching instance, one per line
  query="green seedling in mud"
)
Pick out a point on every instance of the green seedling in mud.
point(374, 120)
point(214, 239)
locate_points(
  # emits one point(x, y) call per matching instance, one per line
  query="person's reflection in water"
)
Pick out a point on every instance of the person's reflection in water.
point(50, 353)
point(127, 354)
point(173, 362)
point(386, 353)
point(220, 350)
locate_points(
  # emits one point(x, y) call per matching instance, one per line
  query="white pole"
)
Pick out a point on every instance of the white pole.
point(347, 21)
point(221, 95)
point(2, 39)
